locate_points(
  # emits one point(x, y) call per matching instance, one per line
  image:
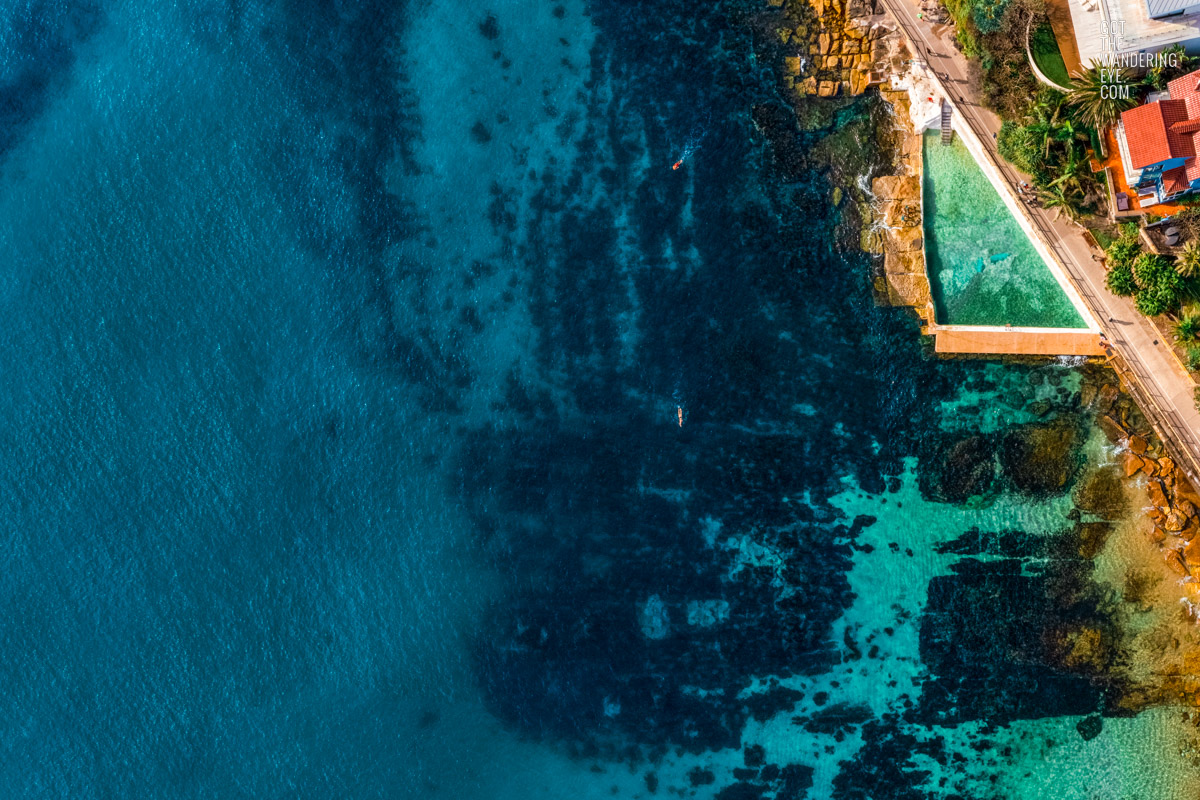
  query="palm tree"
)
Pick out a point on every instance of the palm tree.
point(1073, 173)
point(1187, 263)
point(1188, 328)
point(1056, 198)
point(1098, 96)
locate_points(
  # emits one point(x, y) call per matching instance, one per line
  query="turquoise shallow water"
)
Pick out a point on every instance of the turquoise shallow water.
point(342, 353)
point(982, 266)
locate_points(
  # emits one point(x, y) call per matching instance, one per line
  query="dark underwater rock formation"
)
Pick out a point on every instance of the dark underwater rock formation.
point(957, 468)
point(1041, 459)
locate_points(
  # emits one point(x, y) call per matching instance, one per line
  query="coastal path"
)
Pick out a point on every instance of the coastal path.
point(1149, 368)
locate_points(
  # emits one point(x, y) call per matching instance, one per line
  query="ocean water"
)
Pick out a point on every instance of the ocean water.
point(342, 349)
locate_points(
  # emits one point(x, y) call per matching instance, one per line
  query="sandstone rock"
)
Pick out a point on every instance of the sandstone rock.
point(1166, 466)
point(849, 47)
point(1190, 529)
point(1157, 535)
point(1157, 495)
point(1174, 522)
point(791, 65)
point(1157, 516)
point(810, 85)
point(859, 79)
point(1175, 562)
point(784, 35)
point(1132, 464)
point(827, 88)
point(823, 42)
point(1137, 444)
point(1191, 552)
point(1087, 395)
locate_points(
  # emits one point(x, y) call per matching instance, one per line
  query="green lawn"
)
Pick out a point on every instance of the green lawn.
point(1044, 47)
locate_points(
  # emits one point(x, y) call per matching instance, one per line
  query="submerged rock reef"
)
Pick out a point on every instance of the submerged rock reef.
point(853, 571)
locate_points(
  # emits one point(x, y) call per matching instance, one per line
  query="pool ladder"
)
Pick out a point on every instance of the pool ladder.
point(947, 131)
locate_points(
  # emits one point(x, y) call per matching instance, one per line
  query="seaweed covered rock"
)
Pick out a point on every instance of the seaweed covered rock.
point(958, 468)
point(1041, 459)
point(1101, 493)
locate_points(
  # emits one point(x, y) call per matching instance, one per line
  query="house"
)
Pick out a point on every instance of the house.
point(1159, 142)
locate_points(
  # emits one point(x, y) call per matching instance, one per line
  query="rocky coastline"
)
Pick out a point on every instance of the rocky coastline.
point(832, 49)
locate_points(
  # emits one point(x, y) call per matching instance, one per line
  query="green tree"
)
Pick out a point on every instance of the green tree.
point(988, 14)
point(1187, 263)
point(1096, 95)
point(1021, 146)
point(1120, 256)
point(1119, 280)
point(1160, 287)
point(1187, 328)
point(1072, 173)
point(1056, 197)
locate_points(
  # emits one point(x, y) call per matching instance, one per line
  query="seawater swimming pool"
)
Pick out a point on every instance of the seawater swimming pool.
point(983, 268)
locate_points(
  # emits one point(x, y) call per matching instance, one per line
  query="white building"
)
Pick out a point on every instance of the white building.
point(1111, 28)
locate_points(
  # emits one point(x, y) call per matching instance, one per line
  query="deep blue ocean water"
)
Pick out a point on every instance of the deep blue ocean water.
point(341, 352)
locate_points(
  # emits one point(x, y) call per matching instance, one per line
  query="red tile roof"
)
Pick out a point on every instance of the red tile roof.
point(1146, 133)
point(1187, 126)
point(1168, 129)
point(1175, 180)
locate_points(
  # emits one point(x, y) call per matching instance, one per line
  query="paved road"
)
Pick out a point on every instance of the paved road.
point(1165, 389)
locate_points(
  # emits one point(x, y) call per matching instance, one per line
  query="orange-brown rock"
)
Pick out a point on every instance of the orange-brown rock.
point(1174, 522)
point(1133, 464)
point(1137, 444)
point(1191, 552)
point(1157, 516)
point(1190, 529)
point(1166, 466)
point(1175, 562)
point(1157, 535)
point(1157, 495)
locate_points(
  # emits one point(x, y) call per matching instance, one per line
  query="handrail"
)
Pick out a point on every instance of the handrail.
point(1181, 444)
